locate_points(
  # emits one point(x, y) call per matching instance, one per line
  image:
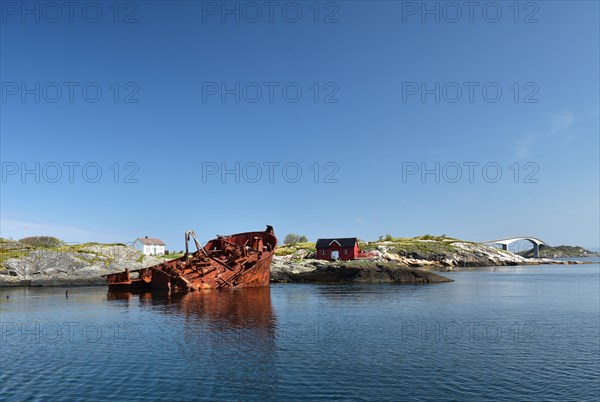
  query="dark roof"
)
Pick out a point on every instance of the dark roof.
point(149, 241)
point(343, 241)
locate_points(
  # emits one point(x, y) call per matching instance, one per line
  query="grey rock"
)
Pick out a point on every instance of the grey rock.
point(358, 271)
point(79, 266)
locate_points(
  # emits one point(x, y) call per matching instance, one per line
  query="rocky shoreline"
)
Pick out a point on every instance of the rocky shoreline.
point(386, 263)
point(444, 256)
point(357, 271)
point(82, 265)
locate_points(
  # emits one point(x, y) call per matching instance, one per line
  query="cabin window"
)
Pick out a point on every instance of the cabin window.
point(346, 252)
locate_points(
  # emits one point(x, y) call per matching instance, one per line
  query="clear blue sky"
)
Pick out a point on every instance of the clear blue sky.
point(369, 60)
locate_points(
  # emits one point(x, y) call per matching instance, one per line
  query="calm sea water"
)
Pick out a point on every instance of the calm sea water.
point(505, 333)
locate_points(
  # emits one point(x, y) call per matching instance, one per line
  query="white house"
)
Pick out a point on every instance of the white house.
point(149, 246)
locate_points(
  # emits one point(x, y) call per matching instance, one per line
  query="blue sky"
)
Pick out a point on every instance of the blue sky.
point(379, 103)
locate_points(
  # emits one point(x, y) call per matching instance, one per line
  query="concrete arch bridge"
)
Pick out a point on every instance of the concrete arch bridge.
point(504, 243)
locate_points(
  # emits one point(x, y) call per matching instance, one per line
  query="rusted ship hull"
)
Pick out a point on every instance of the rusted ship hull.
point(235, 261)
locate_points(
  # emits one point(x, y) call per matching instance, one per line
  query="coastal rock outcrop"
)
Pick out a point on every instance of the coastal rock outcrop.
point(428, 254)
point(358, 271)
point(81, 265)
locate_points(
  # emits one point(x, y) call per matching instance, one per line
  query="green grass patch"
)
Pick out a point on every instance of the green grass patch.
point(422, 245)
point(80, 247)
point(287, 249)
point(7, 255)
point(170, 256)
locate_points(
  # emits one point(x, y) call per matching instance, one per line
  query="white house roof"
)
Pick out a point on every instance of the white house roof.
point(149, 241)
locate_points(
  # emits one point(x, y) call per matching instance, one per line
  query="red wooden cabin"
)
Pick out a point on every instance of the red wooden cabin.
point(341, 248)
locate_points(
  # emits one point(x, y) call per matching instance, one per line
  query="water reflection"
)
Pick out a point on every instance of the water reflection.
point(331, 342)
point(248, 308)
point(221, 334)
point(241, 316)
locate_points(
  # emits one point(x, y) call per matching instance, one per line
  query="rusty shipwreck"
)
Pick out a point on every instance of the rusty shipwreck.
point(234, 261)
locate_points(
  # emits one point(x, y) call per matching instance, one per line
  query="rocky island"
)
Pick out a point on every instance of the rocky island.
point(392, 260)
point(561, 252)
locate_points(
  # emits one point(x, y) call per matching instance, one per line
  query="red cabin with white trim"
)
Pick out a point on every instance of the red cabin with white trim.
point(341, 248)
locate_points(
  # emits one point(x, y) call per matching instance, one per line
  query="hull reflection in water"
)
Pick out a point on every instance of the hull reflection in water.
point(243, 314)
point(223, 341)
